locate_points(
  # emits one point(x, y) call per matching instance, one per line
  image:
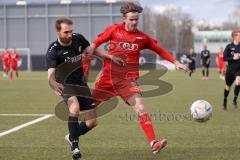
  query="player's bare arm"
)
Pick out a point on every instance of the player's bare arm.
point(90, 50)
point(100, 52)
point(57, 87)
point(115, 59)
point(180, 66)
point(236, 56)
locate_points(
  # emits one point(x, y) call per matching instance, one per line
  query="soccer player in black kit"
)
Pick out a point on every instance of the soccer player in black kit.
point(191, 61)
point(205, 62)
point(232, 56)
point(68, 50)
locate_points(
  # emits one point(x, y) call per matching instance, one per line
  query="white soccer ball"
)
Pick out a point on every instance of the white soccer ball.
point(201, 110)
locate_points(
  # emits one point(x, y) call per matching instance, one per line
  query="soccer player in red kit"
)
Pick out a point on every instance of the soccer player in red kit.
point(14, 58)
point(220, 63)
point(5, 62)
point(126, 42)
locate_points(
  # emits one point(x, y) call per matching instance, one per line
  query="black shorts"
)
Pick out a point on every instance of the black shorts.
point(205, 64)
point(83, 94)
point(231, 76)
point(192, 66)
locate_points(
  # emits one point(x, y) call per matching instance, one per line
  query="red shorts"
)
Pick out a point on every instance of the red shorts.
point(5, 64)
point(13, 67)
point(125, 89)
point(221, 66)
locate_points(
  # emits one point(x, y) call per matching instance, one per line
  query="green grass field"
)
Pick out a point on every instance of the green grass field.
point(118, 135)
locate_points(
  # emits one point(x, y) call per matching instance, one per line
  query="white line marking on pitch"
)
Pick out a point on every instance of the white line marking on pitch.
point(34, 115)
point(25, 125)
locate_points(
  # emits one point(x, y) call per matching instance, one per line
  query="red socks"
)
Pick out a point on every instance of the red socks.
point(146, 124)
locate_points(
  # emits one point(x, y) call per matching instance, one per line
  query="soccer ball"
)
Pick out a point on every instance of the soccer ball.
point(201, 110)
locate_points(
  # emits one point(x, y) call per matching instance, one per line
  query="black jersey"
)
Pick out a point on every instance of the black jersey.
point(192, 57)
point(205, 55)
point(228, 53)
point(57, 55)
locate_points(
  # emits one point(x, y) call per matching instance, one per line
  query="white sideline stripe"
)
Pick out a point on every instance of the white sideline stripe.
point(24, 114)
point(25, 125)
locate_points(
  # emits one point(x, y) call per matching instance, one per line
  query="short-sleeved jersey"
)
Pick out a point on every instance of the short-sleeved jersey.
point(14, 58)
point(228, 53)
point(205, 55)
point(58, 54)
point(5, 56)
point(127, 45)
point(192, 57)
point(219, 56)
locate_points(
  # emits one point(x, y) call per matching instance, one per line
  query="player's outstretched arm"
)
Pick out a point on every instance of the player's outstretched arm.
point(180, 66)
point(57, 87)
point(90, 49)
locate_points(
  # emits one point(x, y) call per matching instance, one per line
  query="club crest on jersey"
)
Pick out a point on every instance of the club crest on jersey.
point(128, 46)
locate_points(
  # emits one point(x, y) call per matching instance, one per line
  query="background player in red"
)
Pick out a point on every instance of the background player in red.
point(5, 62)
point(221, 64)
point(126, 41)
point(14, 58)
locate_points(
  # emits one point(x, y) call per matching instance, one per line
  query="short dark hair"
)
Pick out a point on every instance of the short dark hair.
point(61, 20)
point(130, 7)
point(234, 33)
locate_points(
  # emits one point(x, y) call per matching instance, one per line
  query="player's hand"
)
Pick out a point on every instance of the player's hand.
point(58, 88)
point(90, 49)
point(90, 57)
point(117, 60)
point(236, 56)
point(180, 66)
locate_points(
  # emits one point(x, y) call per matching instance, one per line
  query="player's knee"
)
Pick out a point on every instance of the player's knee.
point(135, 100)
point(237, 83)
point(139, 108)
point(237, 80)
point(92, 123)
point(74, 109)
point(227, 87)
point(73, 105)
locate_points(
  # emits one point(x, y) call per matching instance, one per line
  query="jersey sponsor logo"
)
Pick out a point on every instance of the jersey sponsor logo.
point(205, 54)
point(73, 59)
point(65, 53)
point(128, 46)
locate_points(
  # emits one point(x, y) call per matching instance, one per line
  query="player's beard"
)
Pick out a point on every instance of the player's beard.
point(65, 41)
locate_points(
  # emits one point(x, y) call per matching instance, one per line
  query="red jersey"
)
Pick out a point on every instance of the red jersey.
point(14, 58)
point(5, 57)
point(127, 45)
point(220, 60)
